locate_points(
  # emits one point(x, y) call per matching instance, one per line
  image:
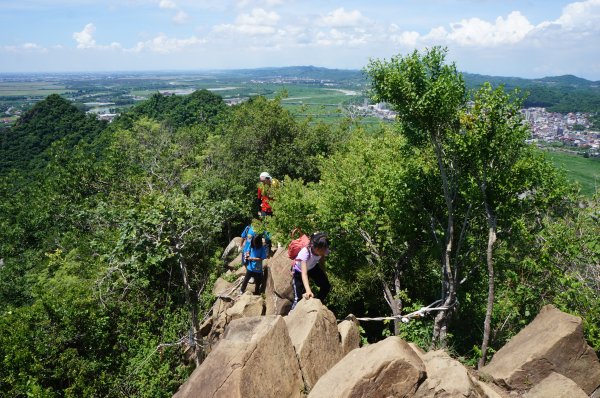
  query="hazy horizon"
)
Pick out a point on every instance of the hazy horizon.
point(510, 38)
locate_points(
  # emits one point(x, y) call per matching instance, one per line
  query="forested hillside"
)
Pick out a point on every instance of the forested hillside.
point(24, 145)
point(566, 93)
point(111, 235)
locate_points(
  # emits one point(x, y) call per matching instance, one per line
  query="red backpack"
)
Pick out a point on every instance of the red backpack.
point(297, 244)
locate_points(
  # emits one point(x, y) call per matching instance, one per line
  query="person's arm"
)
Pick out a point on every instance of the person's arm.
point(309, 293)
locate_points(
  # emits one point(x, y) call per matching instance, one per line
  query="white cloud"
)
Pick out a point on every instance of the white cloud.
point(180, 18)
point(167, 4)
point(408, 39)
point(84, 38)
point(254, 3)
point(26, 48)
point(340, 18)
point(476, 32)
point(585, 14)
point(258, 16)
point(164, 45)
point(336, 37)
point(257, 22)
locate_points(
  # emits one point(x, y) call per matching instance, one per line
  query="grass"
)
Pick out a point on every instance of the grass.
point(585, 171)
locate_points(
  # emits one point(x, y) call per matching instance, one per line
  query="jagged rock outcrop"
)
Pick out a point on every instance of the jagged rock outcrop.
point(278, 284)
point(552, 342)
point(349, 334)
point(446, 378)
point(314, 334)
point(255, 358)
point(556, 386)
point(389, 368)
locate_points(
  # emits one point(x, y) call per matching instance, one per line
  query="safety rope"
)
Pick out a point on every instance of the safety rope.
point(415, 314)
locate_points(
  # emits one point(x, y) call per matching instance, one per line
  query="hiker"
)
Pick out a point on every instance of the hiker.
point(247, 236)
point(254, 264)
point(310, 264)
point(265, 194)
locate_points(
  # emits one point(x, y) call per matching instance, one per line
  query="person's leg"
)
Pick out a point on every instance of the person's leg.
point(298, 288)
point(245, 281)
point(320, 278)
point(258, 281)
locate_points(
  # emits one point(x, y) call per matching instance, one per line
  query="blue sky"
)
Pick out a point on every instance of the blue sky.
point(527, 38)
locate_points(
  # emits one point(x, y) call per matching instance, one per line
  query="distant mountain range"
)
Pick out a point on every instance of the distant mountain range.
point(472, 79)
point(565, 93)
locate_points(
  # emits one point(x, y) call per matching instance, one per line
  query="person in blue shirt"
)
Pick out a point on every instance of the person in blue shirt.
point(254, 263)
point(247, 236)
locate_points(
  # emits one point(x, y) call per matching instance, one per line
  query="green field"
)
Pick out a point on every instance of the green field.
point(585, 171)
point(31, 89)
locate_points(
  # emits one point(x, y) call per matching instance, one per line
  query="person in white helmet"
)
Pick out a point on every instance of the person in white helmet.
point(265, 193)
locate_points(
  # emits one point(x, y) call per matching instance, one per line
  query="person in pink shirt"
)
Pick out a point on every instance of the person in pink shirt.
point(310, 265)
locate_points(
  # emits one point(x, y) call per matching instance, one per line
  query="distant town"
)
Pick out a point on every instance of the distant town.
point(571, 129)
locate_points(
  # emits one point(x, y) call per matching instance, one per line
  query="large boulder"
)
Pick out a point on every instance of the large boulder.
point(233, 247)
point(279, 270)
point(389, 368)
point(349, 334)
point(552, 342)
point(314, 334)
point(556, 386)
point(255, 358)
point(278, 284)
point(446, 378)
point(247, 305)
point(236, 263)
point(222, 287)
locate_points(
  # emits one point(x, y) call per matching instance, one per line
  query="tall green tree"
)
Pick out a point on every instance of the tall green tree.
point(494, 150)
point(429, 95)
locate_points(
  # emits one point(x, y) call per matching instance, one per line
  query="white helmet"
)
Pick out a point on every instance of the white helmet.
point(265, 176)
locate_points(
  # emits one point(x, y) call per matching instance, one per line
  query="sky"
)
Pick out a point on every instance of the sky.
point(524, 38)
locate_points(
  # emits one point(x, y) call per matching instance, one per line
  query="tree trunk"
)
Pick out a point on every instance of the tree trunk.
point(490, 301)
point(395, 306)
point(442, 319)
point(191, 303)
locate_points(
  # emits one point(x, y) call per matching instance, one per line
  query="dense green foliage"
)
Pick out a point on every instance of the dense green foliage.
point(25, 145)
point(563, 94)
point(111, 240)
point(109, 247)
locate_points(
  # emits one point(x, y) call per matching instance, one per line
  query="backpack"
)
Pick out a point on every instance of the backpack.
point(297, 244)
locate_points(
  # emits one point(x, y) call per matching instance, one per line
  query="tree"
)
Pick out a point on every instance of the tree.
point(428, 95)
point(492, 145)
point(54, 119)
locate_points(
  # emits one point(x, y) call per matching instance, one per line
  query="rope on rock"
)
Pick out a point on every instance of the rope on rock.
point(416, 314)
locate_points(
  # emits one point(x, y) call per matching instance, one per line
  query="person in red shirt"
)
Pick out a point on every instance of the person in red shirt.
point(265, 195)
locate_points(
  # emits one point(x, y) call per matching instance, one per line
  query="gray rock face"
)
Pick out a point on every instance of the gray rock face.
point(255, 358)
point(389, 368)
point(552, 342)
point(314, 334)
point(556, 386)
